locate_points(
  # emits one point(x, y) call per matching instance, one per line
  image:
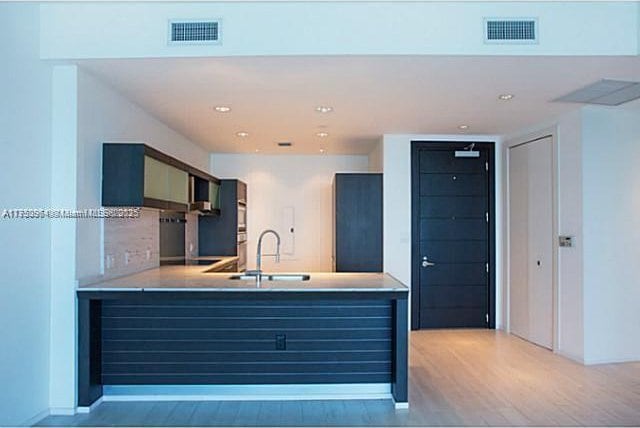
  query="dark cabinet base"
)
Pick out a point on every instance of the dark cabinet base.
point(217, 338)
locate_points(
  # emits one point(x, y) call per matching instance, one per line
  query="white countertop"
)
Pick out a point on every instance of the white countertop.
point(195, 278)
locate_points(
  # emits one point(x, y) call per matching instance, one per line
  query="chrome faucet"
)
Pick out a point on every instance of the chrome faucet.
point(258, 271)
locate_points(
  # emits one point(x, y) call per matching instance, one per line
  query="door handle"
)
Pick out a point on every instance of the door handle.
point(427, 263)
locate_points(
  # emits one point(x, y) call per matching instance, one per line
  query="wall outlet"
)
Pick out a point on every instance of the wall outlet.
point(281, 342)
point(148, 254)
point(127, 257)
point(109, 261)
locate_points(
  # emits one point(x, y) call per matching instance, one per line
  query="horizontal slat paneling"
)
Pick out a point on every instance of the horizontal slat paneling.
point(456, 274)
point(446, 161)
point(453, 185)
point(453, 317)
point(456, 296)
point(453, 229)
point(199, 342)
point(254, 378)
point(242, 323)
point(242, 346)
point(267, 356)
point(247, 368)
point(245, 334)
point(450, 206)
point(455, 251)
point(119, 311)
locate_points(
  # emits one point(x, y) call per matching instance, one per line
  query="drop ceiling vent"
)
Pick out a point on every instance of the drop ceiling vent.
point(189, 32)
point(604, 92)
point(285, 144)
point(511, 31)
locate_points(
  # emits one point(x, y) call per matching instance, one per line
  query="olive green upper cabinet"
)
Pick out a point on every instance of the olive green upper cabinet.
point(178, 185)
point(135, 175)
point(214, 194)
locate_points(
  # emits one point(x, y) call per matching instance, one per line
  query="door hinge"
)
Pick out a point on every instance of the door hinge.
point(486, 267)
point(486, 216)
point(486, 166)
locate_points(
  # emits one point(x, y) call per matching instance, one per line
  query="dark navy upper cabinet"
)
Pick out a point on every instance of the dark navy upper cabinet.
point(136, 175)
point(357, 222)
point(219, 235)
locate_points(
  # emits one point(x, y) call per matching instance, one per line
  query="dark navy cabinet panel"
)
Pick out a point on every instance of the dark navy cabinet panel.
point(218, 236)
point(235, 342)
point(123, 175)
point(358, 222)
point(241, 337)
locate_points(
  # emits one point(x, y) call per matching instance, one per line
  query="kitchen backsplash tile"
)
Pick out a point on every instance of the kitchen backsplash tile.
point(131, 245)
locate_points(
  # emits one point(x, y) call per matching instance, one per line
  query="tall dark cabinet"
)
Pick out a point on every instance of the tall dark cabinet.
point(357, 222)
point(226, 234)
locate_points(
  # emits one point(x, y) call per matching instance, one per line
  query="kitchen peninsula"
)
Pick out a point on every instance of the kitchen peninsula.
point(178, 326)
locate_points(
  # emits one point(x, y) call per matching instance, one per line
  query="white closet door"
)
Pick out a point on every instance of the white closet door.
point(531, 241)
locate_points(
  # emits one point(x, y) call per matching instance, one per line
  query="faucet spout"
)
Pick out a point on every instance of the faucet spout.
point(259, 250)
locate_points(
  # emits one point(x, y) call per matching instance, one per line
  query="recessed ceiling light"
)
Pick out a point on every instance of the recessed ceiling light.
point(322, 150)
point(505, 97)
point(324, 109)
point(257, 150)
point(322, 134)
point(222, 109)
point(463, 127)
point(242, 134)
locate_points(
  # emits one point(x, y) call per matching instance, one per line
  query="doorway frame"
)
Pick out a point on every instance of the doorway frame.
point(416, 145)
point(551, 132)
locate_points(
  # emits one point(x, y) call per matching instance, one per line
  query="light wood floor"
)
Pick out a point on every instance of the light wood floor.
point(457, 377)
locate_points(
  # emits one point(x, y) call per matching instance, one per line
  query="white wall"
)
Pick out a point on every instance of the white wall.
point(87, 113)
point(336, 28)
point(64, 128)
point(570, 340)
point(105, 115)
point(302, 182)
point(376, 163)
point(611, 198)
point(25, 167)
point(396, 160)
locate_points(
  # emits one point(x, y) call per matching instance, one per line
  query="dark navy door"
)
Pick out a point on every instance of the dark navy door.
point(451, 235)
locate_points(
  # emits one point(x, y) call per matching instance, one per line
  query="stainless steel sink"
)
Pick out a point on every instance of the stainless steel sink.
point(274, 277)
point(289, 277)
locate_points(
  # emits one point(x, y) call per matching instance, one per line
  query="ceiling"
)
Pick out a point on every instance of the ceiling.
point(274, 98)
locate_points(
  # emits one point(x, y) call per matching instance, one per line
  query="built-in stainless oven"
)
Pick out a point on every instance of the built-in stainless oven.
point(242, 251)
point(242, 215)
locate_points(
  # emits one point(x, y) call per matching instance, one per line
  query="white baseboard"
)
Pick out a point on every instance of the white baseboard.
point(594, 361)
point(401, 405)
point(572, 357)
point(89, 409)
point(62, 411)
point(246, 392)
point(36, 418)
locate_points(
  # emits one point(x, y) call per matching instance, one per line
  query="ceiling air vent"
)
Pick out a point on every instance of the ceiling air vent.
point(604, 92)
point(285, 144)
point(194, 32)
point(511, 31)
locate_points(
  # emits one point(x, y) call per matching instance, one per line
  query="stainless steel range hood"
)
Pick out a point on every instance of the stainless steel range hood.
point(199, 207)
